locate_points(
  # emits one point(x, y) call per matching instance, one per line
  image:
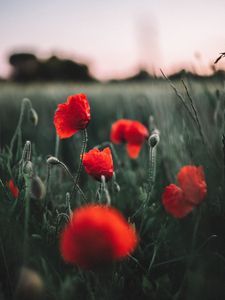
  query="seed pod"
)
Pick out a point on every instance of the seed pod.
point(37, 189)
point(53, 160)
point(33, 116)
point(30, 286)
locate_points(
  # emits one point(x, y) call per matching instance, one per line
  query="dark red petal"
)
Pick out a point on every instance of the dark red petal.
point(117, 134)
point(97, 163)
point(72, 116)
point(175, 203)
point(191, 179)
point(133, 150)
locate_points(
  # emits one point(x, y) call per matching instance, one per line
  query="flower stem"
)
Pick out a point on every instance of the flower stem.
point(57, 146)
point(26, 218)
point(18, 134)
point(74, 180)
point(83, 149)
point(105, 190)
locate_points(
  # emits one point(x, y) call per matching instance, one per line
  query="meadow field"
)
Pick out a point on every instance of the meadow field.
point(175, 258)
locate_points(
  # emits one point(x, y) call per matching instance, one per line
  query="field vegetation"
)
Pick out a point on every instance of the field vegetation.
point(176, 258)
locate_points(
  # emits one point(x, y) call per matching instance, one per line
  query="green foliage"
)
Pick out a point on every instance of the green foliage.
point(175, 259)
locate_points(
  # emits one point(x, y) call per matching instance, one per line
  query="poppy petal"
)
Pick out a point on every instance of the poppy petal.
point(133, 150)
point(175, 203)
point(191, 179)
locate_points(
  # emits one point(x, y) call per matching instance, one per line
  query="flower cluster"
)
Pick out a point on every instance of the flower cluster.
point(133, 133)
point(191, 190)
point(98, 234)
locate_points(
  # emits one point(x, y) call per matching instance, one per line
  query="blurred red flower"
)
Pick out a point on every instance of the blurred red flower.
point(192, 189)
point(118, 129)
point(191, 179)
point(132, 132)
point(72, 116)
point(96, 235)
point(135, 135)
point(175, 203)
point(97, 163)
point(13, 188)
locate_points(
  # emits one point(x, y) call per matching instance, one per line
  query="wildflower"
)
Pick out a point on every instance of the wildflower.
point(175, 202)
point(97, 163)
point(72, 116)
point(192, 181)
point(96, 235)
point(118, 129)
point(132, 132)
point(181, 200)
point(13, 188)
point(135, 136)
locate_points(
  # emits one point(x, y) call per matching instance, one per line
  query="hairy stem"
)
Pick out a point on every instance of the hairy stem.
point(83, 149)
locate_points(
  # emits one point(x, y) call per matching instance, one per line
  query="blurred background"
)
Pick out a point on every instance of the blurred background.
point(105, 40)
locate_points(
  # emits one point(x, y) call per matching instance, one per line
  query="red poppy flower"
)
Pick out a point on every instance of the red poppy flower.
point(96, 235)
point(175, 203)
point(118, 129)
point(13, 188)
point(132, 132)
point(72, 116)
point(97, 163)
point(135, 136)
point(192, 189)
point(192, 181)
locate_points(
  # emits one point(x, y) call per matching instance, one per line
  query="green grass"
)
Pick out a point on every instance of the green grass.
point(176, 259)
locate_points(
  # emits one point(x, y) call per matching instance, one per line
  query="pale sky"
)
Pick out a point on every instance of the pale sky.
point(116, 37)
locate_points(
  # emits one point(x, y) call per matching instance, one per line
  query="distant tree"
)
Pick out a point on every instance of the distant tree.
point(140, 76)
point(27, 67)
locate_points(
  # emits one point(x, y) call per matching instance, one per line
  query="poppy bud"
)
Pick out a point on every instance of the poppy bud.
point(38, 189)
point(30, 286)
point(53, 160)
point(33, 116)
point(26, 155)
point(28, 168)
point(116, 186)
point(154, 139)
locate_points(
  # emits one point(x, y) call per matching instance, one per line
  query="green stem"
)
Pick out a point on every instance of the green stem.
point(105, 190)
point(151, 172)
point(74, 180)
point(57, 146)
point(83, 149)
point(47, 185)
point(26, 218)
point(17, 133)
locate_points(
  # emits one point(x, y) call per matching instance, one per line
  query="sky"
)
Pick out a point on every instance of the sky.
point(116, 38)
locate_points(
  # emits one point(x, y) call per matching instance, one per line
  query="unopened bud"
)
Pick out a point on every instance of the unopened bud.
point(38, 189)
point(33, 116)
point(153, 139)
point(116, 186)
point(30, 286)
point(52, 160)
point(26, 155)
point(28, 168)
